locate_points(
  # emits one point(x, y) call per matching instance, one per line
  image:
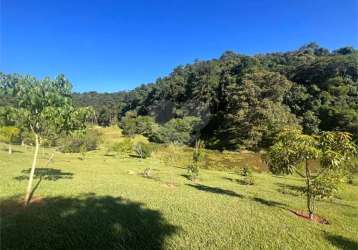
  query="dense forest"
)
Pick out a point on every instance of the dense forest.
point(236, 101)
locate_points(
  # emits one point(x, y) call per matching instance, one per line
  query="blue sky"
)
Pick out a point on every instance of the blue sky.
point(111, 45)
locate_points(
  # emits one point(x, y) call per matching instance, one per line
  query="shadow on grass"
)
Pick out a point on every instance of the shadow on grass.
point(290, 189)
point(269, 203)
point(13, 150)
point(215, 190)
point(241, 182)
point(342, 242)
point(186, 176)
point(49, 174)
point(84, 222)
point(231, 179)
point(136, 156)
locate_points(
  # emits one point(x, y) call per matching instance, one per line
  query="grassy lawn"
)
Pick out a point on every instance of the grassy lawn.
point(105, 202)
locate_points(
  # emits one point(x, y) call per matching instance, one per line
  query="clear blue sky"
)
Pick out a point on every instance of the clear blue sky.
point(106, 45)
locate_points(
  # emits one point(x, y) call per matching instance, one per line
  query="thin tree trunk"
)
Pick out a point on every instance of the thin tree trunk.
point(309, 195)
point(31, 177)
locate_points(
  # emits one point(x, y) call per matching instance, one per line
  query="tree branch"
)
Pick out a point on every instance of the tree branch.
point(299, 173)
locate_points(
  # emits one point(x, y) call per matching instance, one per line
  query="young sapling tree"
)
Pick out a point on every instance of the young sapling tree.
point(45, 109)
point(294, 149)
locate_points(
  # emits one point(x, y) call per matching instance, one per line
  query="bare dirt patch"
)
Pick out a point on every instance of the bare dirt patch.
point(305, 215)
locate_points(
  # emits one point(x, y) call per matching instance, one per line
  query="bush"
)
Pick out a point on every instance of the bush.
point(80, 141)
point(174, 155)
point(9, 134)
point(249, 178)
point(132, 125)
point(193, 171)
point(142, 150)
point(198, 155)
point(245, 171)
point(123, 147)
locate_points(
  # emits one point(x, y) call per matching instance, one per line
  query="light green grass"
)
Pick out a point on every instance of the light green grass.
point(104, 202)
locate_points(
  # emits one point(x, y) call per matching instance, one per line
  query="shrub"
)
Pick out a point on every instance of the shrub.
point(80, 141)
point(193, 171)
point(198, 155)
point(174, 155)
point(142, 150)
point(249, 178)
point(123, 147)
point(9, 134)
point(139, 125)
point(245, 171)
point(140, 139)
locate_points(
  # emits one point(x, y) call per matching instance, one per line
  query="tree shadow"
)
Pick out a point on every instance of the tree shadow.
point(290, 189)
point(83, 222)
point(269, 203)
point(215, 190)
point(49, 174)
point(13, 150)
point(231, 179)
point(342, 242)
point(186, 176)
point(240, 181)
point(136, 156)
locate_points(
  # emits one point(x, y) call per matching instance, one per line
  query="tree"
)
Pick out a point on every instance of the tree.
point(45, 108)
point(104, 118)
point(294, 149)
point(179, 130)
point(8, 135)
point(310, 123)
point(7, 116)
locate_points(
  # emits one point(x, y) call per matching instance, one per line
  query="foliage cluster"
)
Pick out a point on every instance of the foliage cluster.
point(80, 141)
point(174, 131)
point(248, 176)
point(198, 156)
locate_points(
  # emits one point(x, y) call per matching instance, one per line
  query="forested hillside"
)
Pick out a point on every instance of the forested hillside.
point(238, 101)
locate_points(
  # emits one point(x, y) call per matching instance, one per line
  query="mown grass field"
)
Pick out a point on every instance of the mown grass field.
point(105, 202)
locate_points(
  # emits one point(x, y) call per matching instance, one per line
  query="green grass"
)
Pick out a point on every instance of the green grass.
point(104, 202)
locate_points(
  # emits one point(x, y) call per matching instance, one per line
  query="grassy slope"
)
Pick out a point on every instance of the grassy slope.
point(105, 201)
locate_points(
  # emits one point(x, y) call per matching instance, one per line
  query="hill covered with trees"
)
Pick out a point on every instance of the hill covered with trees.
point(236, 101)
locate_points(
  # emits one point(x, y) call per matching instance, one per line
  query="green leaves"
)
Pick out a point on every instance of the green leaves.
point(337, 148)
point(291, 149)
point(9, 134)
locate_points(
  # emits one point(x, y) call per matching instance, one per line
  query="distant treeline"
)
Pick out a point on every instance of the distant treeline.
point(243, 101)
